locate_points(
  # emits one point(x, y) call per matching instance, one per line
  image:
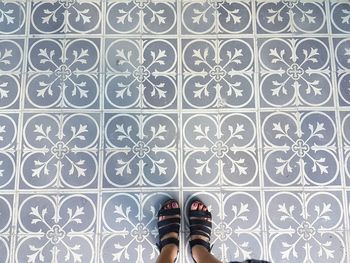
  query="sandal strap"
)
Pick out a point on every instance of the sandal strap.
point(200, 242)
point(168, 229)
point(169, 221)
point(200, 222)
point(167, 241)
point(202, 214)
point(203, 229)
point(169, 212)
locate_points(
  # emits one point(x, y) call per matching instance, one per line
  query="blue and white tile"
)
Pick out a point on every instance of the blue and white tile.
point(63, 73)
point(295, 72)
point(141, 16)
point(65, 17)
point(216, 17)
point(300, 148)
point(220, 150)
point(6, 230)
point(141, 150)
point(340, 16)
point(56, 228)
point(8, 149)
point(60, 151)
point(305, 225)
point(288, 16)
point(141, 73)
point(237, 225)
point(218, 73)
point(129, 226)
point(342, 58)
point(345, 124)
point(12, 17)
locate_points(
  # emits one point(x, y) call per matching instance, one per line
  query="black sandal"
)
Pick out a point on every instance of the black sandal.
point(168, 225)
point(200, 226)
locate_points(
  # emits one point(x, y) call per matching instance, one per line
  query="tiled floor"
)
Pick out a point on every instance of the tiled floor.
point(108, 107)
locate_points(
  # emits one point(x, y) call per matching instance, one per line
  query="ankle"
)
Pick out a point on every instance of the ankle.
point(199, 252)
point(170, 251)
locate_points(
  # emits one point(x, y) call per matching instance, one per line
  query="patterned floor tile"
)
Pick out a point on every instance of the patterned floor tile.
point(61, 17)
point(129, 226)
point(213, 16)
point(342, 57)
point(346, 143)
point(307, 225)
point(146, 16)
point(63, 73)
point(218, 73)
point(60, 151)
point(141, 150)
point(340, 16)
point(237, 226)
point(141, 73)
point(12, 17)
point(300, 148)
point(295, 72)
point(220, 149)
point(6, 232)
point(8, 150)
point(291, 16)
point(56, 228)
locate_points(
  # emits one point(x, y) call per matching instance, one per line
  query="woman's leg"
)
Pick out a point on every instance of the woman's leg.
point(169, 252)
point(200, 253)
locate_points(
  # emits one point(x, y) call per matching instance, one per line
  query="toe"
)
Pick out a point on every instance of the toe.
point(200, 207)
point(175, 205)
point(194, 206)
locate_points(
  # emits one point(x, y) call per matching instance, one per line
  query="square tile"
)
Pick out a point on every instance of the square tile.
point(308, 225)
point(220, 149)
point(295, 72)
point(218, 73)
point(8, 150)
point(141, 73)
point(56, 226)
point(345, 124)
point(6, 226)
point(129, 225)
point(60, 151)
point(237, 227)
point(291, 17)
point(340, 16)
point(300, 148)
point(342, 58)
point(141, 16)
point(12, 18)
point(216, 17)
point(141, 150)
point(64, 17)
point(63, 73)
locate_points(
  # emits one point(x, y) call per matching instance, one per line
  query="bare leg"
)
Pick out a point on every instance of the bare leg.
point(200, 253)
point(169, 252)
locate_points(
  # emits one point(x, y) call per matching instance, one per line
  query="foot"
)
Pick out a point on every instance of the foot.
point(198, 250)
point(170, 249)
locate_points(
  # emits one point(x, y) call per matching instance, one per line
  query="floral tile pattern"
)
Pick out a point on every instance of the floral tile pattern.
point(110, 107)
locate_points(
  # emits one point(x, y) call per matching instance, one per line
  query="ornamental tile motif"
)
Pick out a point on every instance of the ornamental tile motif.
point(220, 150)
point(65, 16)
point(295, 72)
point(218, 73)
point(55, 227)
point(140, 150)
point(300, 148)
point(141, 74)
point(60, 151)
point(291, 16)
point(63, 73)
point(306, 225)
